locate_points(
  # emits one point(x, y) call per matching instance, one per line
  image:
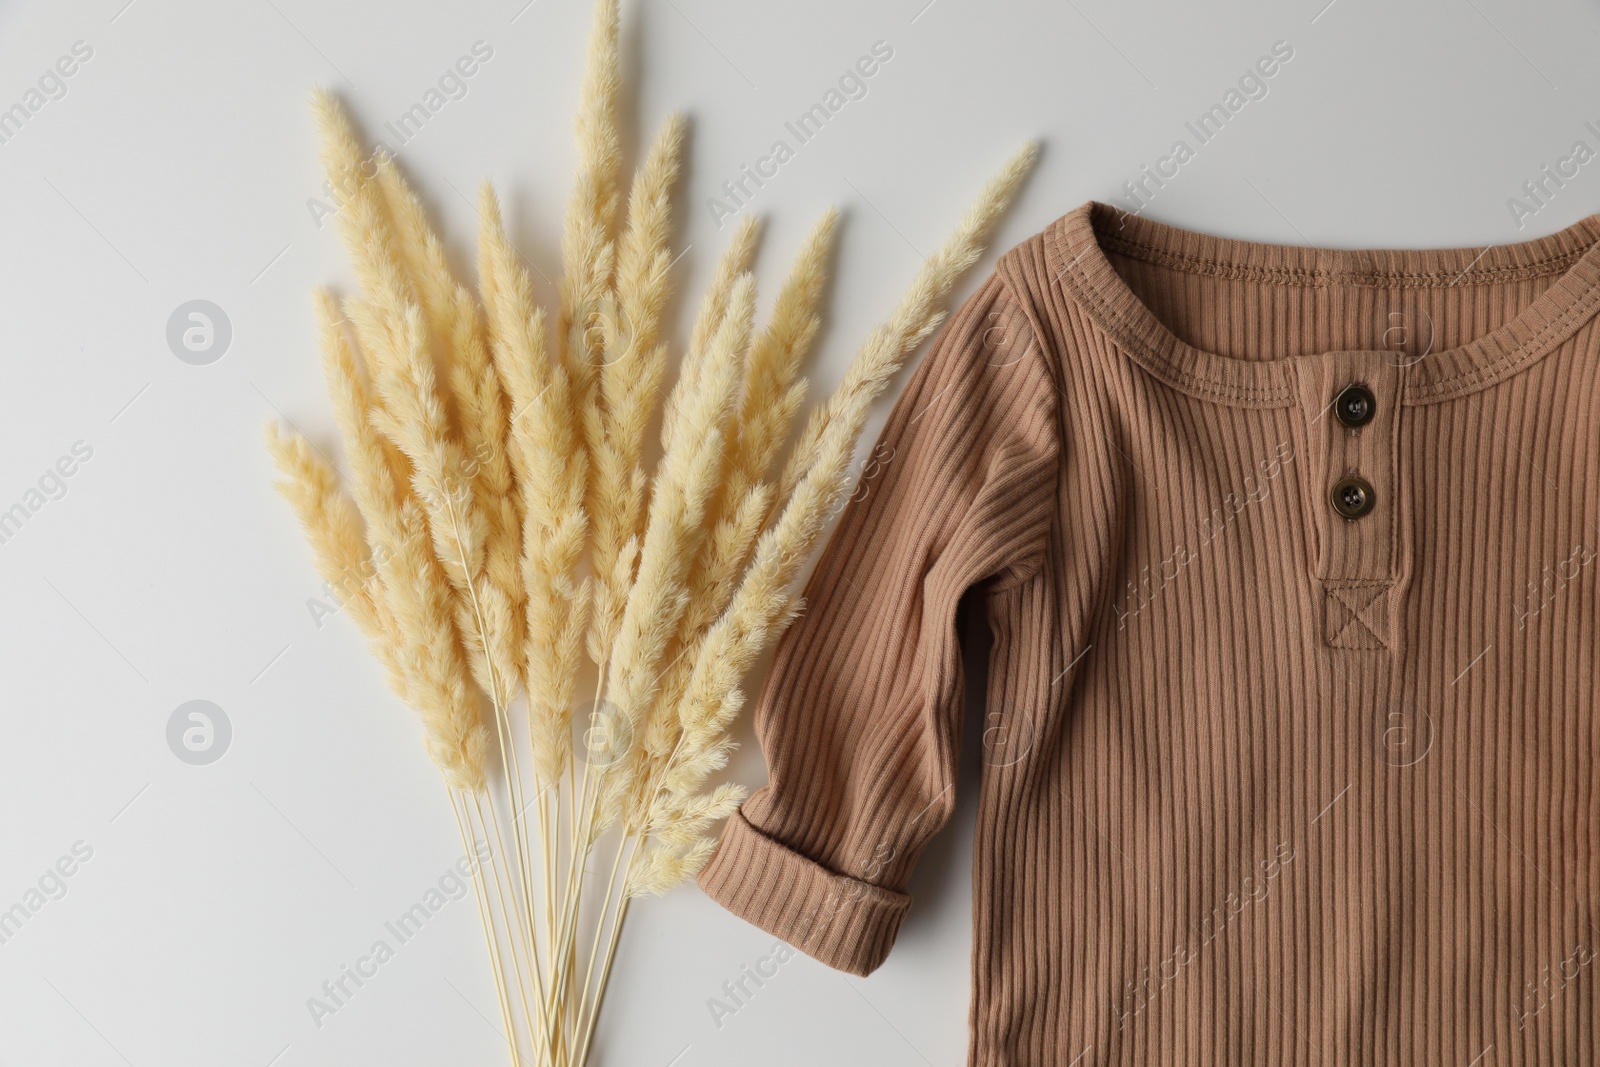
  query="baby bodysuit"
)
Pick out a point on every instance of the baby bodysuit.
point(1290, 556)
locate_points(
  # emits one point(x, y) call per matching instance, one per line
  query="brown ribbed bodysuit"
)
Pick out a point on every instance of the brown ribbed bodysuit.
point(1290, 556)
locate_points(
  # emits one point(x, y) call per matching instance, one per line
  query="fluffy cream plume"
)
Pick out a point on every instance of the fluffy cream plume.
point(725, 532)
point(364, 221)
point(630, 376)
point(417, 249)
point(418, 596)
point(412, 417)
point(481, 407)
point(552, 480)
point(918, 315)
point(684, 484)
point(476, 534)
point(338, 543)
point(588, 256)
point(595, 199)
point(765, 603)
point(772, 395)
point(736, 260)
point(473, 385)
point(681, 847)
point(775, 390)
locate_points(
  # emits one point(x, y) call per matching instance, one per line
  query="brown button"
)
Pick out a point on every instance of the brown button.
point(1352, 497)
point(1355, 405)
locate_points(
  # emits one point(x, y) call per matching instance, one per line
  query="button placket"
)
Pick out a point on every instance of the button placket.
point(1350, 401)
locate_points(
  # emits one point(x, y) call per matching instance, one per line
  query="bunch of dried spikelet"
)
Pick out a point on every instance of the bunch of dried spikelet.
point(501, 535)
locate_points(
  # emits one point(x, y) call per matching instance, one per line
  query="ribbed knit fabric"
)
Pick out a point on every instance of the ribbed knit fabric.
point(1263, 784)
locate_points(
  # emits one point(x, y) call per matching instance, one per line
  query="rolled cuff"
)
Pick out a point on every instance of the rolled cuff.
point(844, 922)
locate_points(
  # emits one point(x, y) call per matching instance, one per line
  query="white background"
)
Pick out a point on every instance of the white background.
point(179, 165)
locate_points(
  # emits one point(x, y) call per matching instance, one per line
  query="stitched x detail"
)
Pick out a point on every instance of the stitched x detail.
point(1356, 615)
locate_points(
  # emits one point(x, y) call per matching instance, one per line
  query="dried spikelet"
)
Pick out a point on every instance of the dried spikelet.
point(773, 393)
point(417, 249)
point(736, 260)
point(364, 221)
point(394, 331)
point(333, 528)
point(680, 846)
point(379, 473)
point(595, 198)
point(552, 485)
point(771, 397)
point(683, 819)
point(683, 487)
point(916, 317)
point(664, 867)
point(709, 593)
point(456, 737)
point(764, 605)
point(630, 377)
point(643, 258)
point(418, 595)
point(587, 252)
point(481, 408)
point(412, 417)
point(474, 392)
point(516, 341)
point(390, 323)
